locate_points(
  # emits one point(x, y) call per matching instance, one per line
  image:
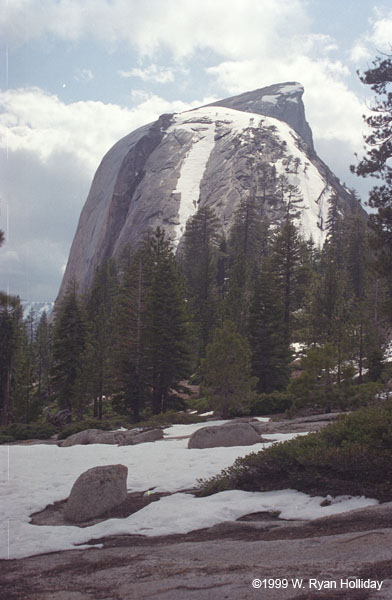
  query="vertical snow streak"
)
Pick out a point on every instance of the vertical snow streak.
point(193, 167)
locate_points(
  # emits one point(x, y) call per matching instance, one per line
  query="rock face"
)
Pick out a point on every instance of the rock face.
point(213, 156)
point(95, 491)
point(230, 434)
point(142, 437)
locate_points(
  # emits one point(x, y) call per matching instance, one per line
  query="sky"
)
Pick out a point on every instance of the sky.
point(77, 75)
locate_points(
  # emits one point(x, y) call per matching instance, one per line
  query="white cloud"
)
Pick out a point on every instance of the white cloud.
point(150, 73)
point(378, 37)
point(324, 87)
point(381, 34)
point(83, 75)
point(249, 26)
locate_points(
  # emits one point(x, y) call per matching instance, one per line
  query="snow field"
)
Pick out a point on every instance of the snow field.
point(34, 476)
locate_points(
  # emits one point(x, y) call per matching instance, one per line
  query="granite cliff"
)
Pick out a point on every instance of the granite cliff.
point(214, 155)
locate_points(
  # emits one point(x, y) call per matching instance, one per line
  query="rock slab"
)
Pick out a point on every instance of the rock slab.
point(230, 434)
point(128, 437)
point(95, 491)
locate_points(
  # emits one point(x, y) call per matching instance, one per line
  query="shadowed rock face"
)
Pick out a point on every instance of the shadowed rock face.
point(215, 155)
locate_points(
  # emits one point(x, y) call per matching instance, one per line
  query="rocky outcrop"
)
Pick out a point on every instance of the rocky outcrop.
point(95, 491)
point(229, 434)
point(220, 562)
point(128, 437)
point(141, 437)
point(308, 423)
point(213, 156)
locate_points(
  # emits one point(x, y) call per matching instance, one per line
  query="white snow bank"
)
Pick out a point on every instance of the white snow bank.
point(31, 477)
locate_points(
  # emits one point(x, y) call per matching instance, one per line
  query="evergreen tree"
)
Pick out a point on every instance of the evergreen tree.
point(329, 310)
point(270, 349)
point(168, 351)
point(96, 373)
point(25, 407)
point(11, 324)
point(245, 246)
point(334, 241)
point(377, 160)
point(131, 353)
point(200, 258)
point(286, 254)
point(226, 370)
point(68, 346)
point(43, 358)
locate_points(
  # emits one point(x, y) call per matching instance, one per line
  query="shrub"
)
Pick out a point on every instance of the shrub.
point(267, 404)
point(23, 431)
point(6, 439)
point(170, 418)
point(200, 404)
point(351, 456)
point(343, 396)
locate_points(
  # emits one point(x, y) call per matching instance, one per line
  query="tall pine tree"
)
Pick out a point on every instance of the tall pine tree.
point(167, 339)
point(68, 347)
point(200, 260)
point(267, 335)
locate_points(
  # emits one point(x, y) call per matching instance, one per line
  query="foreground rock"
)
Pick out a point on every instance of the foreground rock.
point(229, 434)
point(96, 491)
point(219, 563)
point(128, 437)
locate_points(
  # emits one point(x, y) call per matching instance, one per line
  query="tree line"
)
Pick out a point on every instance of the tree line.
point(224, 311)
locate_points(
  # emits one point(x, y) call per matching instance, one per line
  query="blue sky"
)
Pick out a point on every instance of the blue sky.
point(77, 75)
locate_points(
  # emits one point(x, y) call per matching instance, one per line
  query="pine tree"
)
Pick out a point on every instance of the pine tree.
point(43, 358)
point(68, 347)
point(131, 353)
point(377, 160)
point(11, 323)
point(96, 379)
point(168, 351)
point(286, 255)
point(334, 227)
point(329, 310)
point(270, 348)
point(245, 246)
point(25, 407)
point(200, 259)
point(226, 370)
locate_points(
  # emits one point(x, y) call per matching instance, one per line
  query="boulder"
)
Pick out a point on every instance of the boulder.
point(141, 437)
point(89, 436)
point(123, 438)
point(95, 491)
point(230, 434)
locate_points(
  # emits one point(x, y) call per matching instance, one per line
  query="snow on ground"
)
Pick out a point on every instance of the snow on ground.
point(34, 476)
